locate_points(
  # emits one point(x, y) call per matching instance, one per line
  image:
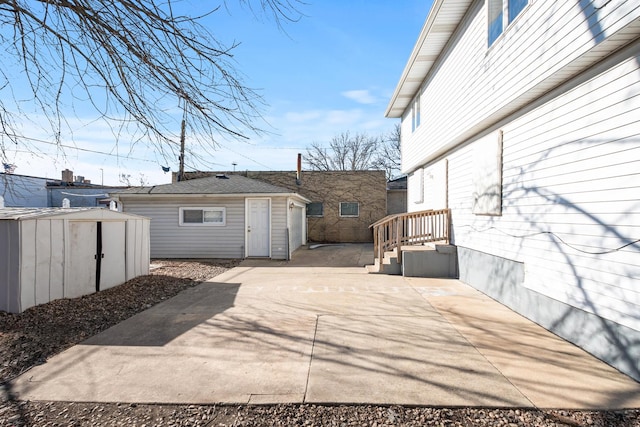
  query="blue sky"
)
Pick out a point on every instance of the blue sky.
point(332, 71)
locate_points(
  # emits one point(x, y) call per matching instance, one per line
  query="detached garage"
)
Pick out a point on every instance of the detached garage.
point(52, 253)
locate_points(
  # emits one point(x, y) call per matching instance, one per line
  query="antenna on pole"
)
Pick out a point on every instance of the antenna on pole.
point(182, 132)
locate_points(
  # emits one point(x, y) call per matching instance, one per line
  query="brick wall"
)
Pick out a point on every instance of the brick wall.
point(367, 188)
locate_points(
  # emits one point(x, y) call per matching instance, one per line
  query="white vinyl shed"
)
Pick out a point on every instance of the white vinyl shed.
point(52, 253)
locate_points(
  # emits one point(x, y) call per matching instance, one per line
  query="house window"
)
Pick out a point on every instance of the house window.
point(515, 7)
point(498, 10)
point(203, 216)
point(415, 113)
point(349, 209)
point(495, 20)
point(487, 175)
point(315, 209)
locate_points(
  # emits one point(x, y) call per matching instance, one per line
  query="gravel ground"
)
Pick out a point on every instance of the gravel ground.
point(40, 332)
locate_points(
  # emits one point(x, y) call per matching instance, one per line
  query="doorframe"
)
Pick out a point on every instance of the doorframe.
point(246, 223)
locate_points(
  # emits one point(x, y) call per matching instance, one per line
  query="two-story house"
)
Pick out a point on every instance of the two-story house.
point(523, 118)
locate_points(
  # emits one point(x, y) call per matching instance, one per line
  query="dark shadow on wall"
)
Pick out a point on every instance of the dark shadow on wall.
point(592, 14)
point(580, 318)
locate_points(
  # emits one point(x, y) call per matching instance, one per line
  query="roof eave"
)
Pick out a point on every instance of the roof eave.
point(434, 36)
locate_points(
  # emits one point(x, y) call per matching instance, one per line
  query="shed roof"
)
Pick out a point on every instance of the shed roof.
point(219, 184)
point(443, 19)
point(77, 213)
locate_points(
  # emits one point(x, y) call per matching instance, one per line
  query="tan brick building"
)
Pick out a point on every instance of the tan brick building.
point(344, 203)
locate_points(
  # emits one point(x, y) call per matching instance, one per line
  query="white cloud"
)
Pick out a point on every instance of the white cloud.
point(360, 96)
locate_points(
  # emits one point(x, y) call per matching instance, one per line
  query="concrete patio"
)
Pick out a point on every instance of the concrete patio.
point(319, 329)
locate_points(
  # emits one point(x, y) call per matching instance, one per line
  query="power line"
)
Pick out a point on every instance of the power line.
point(81, 149)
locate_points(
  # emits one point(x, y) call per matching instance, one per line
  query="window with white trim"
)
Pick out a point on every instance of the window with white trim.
point(501, 13)
point(349, 209)
point(209, 216)
point(415, 113)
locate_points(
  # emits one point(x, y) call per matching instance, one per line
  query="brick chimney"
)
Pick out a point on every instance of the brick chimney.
point(67, 176)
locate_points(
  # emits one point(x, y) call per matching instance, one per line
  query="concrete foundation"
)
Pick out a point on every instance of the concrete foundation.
point(502, 279)
point(437, 262)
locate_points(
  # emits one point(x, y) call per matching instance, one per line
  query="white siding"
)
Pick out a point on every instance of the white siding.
point(137, 248)
point(169, 240)
point(472, 86)
point(571, 179)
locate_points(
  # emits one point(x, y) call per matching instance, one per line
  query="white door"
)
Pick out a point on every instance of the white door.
point(80, 271)
point(112, 265)
point(258, 233)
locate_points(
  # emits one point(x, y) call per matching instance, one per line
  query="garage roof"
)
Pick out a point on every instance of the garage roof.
point(219, 184)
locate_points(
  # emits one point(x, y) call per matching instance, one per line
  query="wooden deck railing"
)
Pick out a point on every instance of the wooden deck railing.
point(406, 229)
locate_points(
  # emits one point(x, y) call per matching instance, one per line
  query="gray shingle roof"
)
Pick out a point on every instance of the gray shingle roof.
point(224, 184)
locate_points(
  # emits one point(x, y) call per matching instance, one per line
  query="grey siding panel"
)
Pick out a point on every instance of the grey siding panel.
point(502, 279)
point(170, 240)
point(9, 266)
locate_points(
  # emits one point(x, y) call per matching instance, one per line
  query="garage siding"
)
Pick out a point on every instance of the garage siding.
point(170, 240)
point(279, 240)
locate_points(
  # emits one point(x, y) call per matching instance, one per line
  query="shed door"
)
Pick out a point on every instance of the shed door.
point(112, 265)
point(80, 274)
point(258, 241)
point(96, 258)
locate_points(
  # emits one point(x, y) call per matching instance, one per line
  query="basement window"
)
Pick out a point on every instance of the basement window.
point(349, 209)
point(209, 216)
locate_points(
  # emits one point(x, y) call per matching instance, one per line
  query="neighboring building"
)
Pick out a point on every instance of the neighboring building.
point(35, 192)
point(523, 118)
point(52, 253)
point(343, 203)
point(24, 191)
point(223, 216)
point(397, 196)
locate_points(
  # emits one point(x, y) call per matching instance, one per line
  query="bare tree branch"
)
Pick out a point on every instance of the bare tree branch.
point(357, 152)
point(134, 62)
point(388, 156)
